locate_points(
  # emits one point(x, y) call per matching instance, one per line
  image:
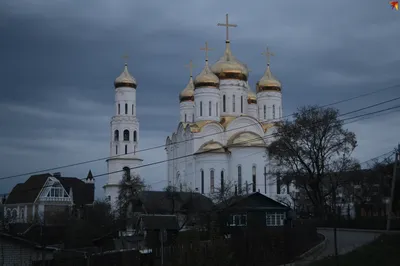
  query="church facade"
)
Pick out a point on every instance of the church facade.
point(224, 129)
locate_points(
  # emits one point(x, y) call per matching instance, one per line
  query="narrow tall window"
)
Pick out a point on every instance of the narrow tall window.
point(222, 183)
point(119, 109)
point(265, 179)
point(254, 178)
point(185, 118)
point(134, 136)
point(126, 108)
point(116, 149)
point(209, 108)
point(240, 179)
point(241, 104)
point(273, 111)
point(265, 112)
point(201, 108)
point(224, 103)
point(202, 181)
point(233, 103)
point(212, 181)
point(126, 149)
point(133, 108)
point(216, 108)
point(126, 135)
point(116, 135)
point(192, 117)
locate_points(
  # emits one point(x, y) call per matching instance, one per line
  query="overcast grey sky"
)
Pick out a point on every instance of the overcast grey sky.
point(58, 61)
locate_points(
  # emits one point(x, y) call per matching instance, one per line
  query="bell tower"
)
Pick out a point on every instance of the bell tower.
point(124, 135)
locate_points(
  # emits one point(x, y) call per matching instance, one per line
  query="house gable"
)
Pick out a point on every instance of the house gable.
point(53, 191)
point(27, 192)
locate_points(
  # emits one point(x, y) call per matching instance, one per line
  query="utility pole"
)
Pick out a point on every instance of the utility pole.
point(390, 205)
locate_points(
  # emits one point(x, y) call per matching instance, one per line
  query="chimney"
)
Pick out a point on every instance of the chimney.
point(57, 174)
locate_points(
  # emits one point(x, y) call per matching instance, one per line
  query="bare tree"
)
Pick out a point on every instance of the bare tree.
point(307, 148)
point(225, 194)
point(130, 188)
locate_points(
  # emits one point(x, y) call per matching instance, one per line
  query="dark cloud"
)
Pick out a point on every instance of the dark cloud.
point(59, 60)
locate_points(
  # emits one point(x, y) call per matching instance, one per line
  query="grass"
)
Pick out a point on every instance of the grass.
point(384, 251)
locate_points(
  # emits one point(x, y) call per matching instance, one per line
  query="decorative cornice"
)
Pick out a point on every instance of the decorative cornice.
point(268, 88)
point(125, 84)
point(122, 118)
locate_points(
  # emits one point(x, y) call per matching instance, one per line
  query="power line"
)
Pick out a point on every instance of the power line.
point(254, 139)
point(163, 146)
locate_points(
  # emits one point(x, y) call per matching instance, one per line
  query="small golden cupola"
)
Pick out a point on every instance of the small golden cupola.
point(206, 78)
point(228, 67)
point(251, 97)
point(125, 79)
point(268, 82)
point(187, 94)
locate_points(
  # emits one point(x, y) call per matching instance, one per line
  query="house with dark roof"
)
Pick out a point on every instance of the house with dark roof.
point(253, 210)
point(43, 195)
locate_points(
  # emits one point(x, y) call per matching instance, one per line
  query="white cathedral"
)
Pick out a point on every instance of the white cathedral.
point(222, 135)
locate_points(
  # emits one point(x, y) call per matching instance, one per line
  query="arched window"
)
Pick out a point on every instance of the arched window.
point(212, 181)
point(201, 108)
point(126, 149)
point(133, 108)
point(222, 182)
point(119, 109)
point(202, 181)
point(265, 112)
point(273, 111)
point(185, 118)
point(116, 149)
point(134, 136)
point(233, 103)
point(241, 104)
point(192, 117)
point(116, 135)
point(216, 108)
point(126, 135)
point(209, 108)
point(224, 103)
point(240, 179)
point(254, 169)
point(127, 171)
point(126, 108)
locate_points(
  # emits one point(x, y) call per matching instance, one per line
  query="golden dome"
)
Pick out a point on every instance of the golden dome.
point(251, 97)
point(228, 67)
point(206, 78)
point(268, 82)
point(125, 79)
point(188, 93)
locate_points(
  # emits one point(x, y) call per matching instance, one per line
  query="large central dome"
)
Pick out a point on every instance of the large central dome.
point(228, 67)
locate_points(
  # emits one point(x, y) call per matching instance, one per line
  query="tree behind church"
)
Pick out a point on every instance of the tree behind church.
point(311, 150)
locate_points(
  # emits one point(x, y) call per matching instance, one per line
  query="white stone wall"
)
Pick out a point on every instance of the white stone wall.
point(122, 149)
point(203, 97)
point(186, 111)
point(234, 91)
point(271, 100)
point(252, 110)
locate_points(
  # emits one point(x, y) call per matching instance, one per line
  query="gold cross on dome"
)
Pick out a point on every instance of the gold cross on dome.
point(206, 49)
point(227, 25)
point(190, 66)
point(125, 57)
point(268, 54)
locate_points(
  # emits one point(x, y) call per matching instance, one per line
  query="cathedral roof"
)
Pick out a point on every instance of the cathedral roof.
point(228, 67)
point(188, 92)
point(268, 82)
point(212, 147)
point(251, 97)
point(125, 79)
point(246, 139)
point(206, 78)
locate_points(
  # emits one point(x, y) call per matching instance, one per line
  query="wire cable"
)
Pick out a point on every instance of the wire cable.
point(164, 145)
